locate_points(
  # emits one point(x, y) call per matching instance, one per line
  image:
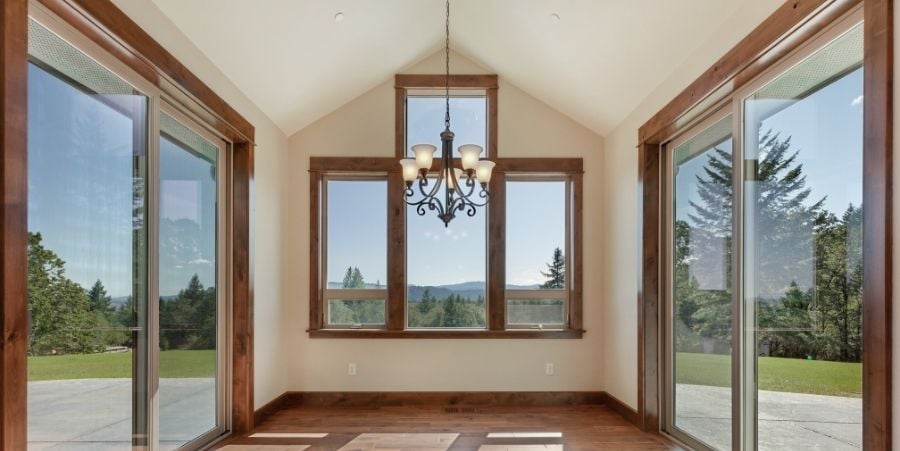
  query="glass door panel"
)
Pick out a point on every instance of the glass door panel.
point(700, 324)
point(87, 252)
point(189, 306)
point(802, 257)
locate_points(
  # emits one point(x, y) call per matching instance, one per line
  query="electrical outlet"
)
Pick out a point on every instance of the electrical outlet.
point(351, 369)
point(549, 369)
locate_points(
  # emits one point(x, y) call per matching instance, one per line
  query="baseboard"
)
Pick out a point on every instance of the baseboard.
point(622, 409)
point(471, 399)
point(280, 402)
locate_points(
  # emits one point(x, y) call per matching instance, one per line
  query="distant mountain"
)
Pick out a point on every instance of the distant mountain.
point(466, 290)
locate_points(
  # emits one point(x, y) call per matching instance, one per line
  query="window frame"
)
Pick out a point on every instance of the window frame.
point(329, 294)
point(564, 294)
point(320, 168)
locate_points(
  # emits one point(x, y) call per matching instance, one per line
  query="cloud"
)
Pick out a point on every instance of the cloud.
point(857, 101)
point(200, 261)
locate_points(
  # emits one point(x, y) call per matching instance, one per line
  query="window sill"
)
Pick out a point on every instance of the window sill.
point(505, 334)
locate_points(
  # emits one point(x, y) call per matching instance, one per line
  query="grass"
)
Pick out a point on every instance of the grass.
point(775, 374)
point(172, 364)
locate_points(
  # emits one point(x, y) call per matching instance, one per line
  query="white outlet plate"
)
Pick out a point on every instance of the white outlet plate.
point(351, 369)
point(549, 369)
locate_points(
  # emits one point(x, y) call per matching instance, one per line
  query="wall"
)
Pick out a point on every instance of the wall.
point(365, 127)
point(619, 193)
point(270, 377)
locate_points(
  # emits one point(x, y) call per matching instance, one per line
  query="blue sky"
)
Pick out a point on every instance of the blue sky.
point(826, 129)
point(81, 179)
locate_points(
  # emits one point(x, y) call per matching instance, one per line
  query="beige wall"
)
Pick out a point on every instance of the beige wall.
point(365, 126)
point(619, 193)
point(270, 378)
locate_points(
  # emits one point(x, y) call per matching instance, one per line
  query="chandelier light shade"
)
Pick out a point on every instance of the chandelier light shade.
point(450, 189)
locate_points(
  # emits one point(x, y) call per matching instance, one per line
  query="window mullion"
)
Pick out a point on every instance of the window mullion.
point(496, 246)
point(396, 253)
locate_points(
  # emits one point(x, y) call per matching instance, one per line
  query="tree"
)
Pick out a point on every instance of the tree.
point(61, 317)
point(556, 271)
point(100, 301)
point(353, 278)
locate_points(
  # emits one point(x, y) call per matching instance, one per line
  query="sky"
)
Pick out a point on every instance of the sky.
point(84, 147)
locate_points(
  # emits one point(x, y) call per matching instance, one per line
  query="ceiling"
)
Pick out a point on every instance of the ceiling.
point(595, 64)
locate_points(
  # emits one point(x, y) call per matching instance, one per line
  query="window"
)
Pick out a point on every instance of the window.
point(126, 257)
point(356, 237)
point(537, 251)
point(764, 227)
point(406, 275)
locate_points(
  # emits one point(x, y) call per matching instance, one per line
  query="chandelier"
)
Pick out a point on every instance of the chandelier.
point(451, 189)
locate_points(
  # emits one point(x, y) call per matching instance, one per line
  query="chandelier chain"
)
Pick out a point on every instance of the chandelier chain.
point(447, 61)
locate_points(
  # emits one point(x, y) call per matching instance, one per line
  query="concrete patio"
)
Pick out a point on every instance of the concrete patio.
point(95, 414)
point(787, 421)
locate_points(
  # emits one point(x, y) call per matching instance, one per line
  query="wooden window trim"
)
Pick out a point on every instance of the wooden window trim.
point(789, 27)
point(403, 83)
point(106, 25)
point(320, 167)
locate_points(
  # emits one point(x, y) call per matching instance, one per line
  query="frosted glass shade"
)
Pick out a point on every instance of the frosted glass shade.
point(424, 154)
point(410, 169)
point(483, 171)
point(470, 154)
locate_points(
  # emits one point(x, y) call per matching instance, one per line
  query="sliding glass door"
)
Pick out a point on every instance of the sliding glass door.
point(764, 259)
point(127, 319)
point(802, 251)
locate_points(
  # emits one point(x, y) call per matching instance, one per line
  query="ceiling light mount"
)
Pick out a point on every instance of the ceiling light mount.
point(339, 17)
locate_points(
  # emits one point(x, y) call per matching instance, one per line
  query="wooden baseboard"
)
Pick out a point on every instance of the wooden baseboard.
point(631, 415)
point(471, 399)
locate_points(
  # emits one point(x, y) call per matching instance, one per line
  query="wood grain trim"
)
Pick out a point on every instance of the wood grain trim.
point(878, 169)
point(242, 288)
point(280, 402)
point(354, 164)
point(539, 165)
point(446, 333)
point(576, 289)
point(396, 253)
point(316, 301)
point(14, 224)
point(450, 398)
point(783, 31)
point(648, 295)
point(496, 242)
point(399, 122)
point(457, 81)
point(105, 24)
point(622, 409)
point(493, 106)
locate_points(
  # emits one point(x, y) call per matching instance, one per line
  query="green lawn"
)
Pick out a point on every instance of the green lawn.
point(89, 366)
point(775, 374)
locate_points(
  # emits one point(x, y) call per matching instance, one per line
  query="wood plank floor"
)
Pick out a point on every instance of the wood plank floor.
point(581, 427)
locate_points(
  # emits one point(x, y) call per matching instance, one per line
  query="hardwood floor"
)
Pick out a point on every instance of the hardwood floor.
point(588, 427)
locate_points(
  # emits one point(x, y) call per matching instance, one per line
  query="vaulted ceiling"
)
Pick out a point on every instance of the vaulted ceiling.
point(593, 60)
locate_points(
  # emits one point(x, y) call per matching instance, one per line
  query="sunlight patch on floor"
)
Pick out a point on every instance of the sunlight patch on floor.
point(421, 442)
point(521, 448)
point(525, 435)
point(289, 435)
point(264, 447)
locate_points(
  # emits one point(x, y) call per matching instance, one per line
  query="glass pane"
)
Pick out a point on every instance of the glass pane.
point(700, 324)
point(87, 252)
point(520, 312)
point(802, 251)
point(344, 312)
point(357, 256)
point(445, 270)
point(188, 302)
point(425, 121)
point(536, 235)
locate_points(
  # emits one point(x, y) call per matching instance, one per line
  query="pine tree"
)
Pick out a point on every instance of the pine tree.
point(100, 301)
point(556, 271)
point(357, 280)
point(348, 278)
